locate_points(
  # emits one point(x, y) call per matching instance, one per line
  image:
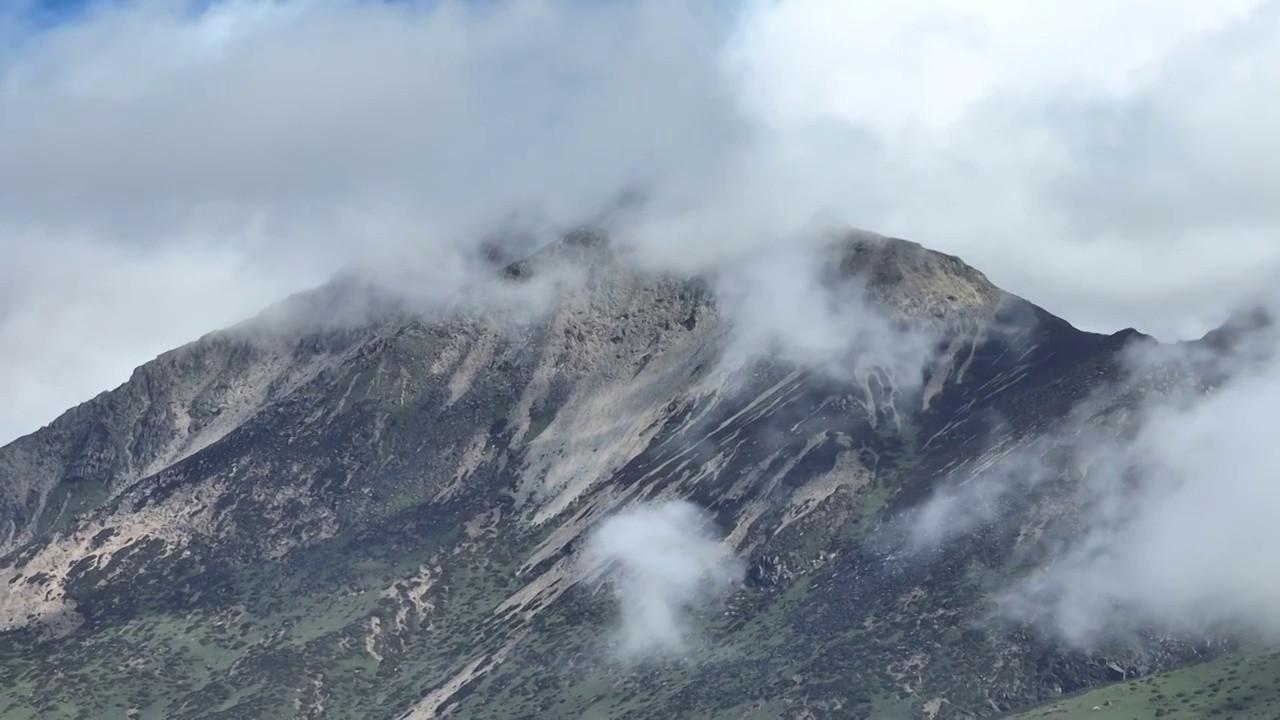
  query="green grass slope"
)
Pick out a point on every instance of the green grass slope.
point(1237, 686)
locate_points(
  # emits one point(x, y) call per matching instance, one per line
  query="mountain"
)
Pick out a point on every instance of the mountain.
point(348, 507)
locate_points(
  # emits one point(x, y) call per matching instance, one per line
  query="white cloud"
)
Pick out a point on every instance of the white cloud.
point(1168, 525)
point(1185, 549)
point(77, 315)
point(1105, 159)
point(293, 139)
point(1125, 184)
point(663, 562)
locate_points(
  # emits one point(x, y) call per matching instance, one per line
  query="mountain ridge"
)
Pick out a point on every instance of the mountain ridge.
point(316, 500)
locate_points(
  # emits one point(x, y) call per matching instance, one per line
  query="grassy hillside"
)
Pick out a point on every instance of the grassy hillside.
point(1238, 686)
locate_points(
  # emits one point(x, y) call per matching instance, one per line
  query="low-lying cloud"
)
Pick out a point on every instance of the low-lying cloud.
point(1184, 548)
point(784, 303)
point(663, 562)
point(1165, 519)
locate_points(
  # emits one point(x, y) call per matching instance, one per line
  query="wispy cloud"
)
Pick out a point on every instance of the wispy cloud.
point(1178, 520)
point(1156, 519)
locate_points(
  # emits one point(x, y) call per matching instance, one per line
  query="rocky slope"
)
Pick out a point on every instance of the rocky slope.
point(381, 514)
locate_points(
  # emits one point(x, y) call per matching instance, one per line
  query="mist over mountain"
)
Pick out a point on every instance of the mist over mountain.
point(242, 150)
point(891, 490)
point(521, 359)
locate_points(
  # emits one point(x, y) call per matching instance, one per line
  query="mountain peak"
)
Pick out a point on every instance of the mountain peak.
point(906, 279)
point(913, 280)
point(1241, 326)
point(588, 246)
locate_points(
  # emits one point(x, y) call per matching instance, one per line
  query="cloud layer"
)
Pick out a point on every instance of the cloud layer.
point(164, 170)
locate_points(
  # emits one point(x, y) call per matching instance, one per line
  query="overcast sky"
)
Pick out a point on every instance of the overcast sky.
point(167, 170)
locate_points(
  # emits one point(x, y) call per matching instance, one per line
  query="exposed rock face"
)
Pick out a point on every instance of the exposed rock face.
point(377, 515)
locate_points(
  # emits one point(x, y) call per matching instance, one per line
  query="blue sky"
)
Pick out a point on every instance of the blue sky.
point(51, 13)
point(47, 13)
point(36, 15)
point(44, 13)
point(58, 9)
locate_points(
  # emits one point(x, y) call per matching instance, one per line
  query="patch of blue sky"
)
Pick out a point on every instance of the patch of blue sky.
point(45, 14)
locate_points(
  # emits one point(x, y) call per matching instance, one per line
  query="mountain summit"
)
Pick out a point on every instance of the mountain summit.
point(355, 507)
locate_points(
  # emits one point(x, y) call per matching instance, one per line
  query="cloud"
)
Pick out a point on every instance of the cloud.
point(1157, 520)
point(291, 140)
point(1129, 186)
point(300, 115)
point(77, 315)
point(1178, 521)
point(783, 301)
point(663, 562)
point(1114, 189)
